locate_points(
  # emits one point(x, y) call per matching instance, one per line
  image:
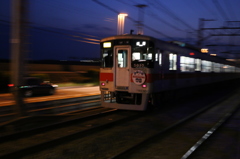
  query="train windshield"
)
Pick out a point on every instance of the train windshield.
point(142, 54)
point(107, 58)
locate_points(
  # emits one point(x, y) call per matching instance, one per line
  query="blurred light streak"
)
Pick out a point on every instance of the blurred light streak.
point(121, 20)
point(89, 42)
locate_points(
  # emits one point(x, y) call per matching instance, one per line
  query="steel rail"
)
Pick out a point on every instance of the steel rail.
point(56, 125)
point(210, 132)
point(60, 140)
point(51, 107)
point(126, 152)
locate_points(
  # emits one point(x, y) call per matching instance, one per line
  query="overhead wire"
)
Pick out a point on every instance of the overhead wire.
point(132, 19)
point(207, 8)
point(220, 10)
point(230, 9)
point(74, 36)
point(50, 29)
point(155, 16)
point(165, 9)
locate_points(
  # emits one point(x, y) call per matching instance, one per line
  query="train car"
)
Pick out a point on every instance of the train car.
point(137, 69)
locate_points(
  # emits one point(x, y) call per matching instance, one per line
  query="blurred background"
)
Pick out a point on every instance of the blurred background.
point(62, 37)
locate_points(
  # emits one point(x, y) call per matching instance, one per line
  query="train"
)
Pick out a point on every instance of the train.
point(138, 70)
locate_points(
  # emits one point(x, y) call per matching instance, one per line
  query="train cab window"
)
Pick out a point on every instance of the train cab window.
point(122, 58)
point(107, 58)
point(172, 61)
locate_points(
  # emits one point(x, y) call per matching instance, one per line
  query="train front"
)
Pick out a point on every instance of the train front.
point(127, 62)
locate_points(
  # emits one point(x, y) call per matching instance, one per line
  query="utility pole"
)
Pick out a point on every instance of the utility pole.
point(140, 18)
point(18, 44)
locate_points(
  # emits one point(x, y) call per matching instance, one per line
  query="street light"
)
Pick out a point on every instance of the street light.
point(121, 19)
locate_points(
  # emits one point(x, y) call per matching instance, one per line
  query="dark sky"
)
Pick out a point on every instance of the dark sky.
point(71, 29)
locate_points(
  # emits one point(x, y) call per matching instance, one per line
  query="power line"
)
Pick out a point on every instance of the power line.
point(155, 16)
point(85, 39)
point(230, 9)
point(164, 21)
point(115, 11)
point(76, 37)
point(206, 7)
point(220, 10)
point(169, 12)
point(82, 12)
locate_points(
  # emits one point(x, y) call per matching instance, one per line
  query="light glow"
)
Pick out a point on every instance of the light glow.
point(204, 50)
point(121, 19)
point(143, 43)
point(103, 84)
point(10, 85)
point(144, 86)
point(107, 45)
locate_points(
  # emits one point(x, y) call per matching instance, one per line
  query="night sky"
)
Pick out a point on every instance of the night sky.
point(71, 29)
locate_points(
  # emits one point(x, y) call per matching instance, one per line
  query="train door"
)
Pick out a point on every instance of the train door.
point(122, 74)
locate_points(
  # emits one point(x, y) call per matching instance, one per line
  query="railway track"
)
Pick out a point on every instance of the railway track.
point(59, 107)
point(25, 142)
point(108, 135)
point(185, 138)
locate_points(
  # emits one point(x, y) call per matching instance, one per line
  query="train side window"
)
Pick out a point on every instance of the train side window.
point(228, 68)
point(197, 64)
point(206, 66)
point(122, 58)
point(216, 67)
point(234, 69)
point(187, 64)
point(172, 61)
point(237, 69)
point(158, 57)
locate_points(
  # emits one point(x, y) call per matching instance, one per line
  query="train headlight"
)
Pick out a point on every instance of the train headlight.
point(102, 84)
point(144, 86)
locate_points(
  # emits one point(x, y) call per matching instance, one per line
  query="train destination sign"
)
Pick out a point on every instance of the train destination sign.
point(138, 77)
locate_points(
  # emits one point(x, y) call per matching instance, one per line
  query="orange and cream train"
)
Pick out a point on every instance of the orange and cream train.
point(136, 70)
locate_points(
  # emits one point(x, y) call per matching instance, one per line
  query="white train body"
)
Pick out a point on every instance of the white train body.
point(136, 68)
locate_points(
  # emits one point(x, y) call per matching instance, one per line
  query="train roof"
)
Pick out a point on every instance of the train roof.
point(128, 36)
